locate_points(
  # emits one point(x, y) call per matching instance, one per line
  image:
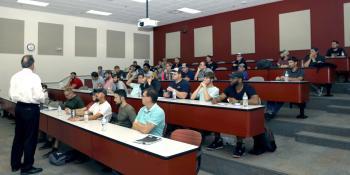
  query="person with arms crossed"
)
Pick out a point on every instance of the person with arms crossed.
point(26, 91)
point(234, 94)
point(151, 118)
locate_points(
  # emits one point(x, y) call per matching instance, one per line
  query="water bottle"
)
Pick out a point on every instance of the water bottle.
point(174, 94)
point(59, 111)
point(286, 76)
point(86, 116)
point(342, 54)
point(245, 100)
point(72, 112)
point(103, 123)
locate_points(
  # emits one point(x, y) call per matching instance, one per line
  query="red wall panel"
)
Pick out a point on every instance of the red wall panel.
point(327, 24)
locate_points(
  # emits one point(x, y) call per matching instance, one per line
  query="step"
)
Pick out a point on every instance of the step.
point(327, 140)
point(341, 88)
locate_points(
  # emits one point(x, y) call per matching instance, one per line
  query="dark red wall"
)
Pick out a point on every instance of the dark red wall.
point(327, 24)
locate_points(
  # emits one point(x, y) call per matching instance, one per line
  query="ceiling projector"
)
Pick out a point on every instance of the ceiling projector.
point(147, 23)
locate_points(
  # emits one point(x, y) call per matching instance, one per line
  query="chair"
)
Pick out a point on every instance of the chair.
point(221, 62)
point(270, 59)
point(221, 68)
point(250, 61)
point(190, 137)
point(257, 78)
point(195, 64)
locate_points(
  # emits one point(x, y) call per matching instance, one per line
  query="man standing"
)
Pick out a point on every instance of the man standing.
point(26, 91)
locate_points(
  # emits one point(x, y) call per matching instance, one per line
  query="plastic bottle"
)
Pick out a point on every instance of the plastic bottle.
point(59, 111)
point(245, 100)
point(86, 116)
point(286, 76)
point(174, 94)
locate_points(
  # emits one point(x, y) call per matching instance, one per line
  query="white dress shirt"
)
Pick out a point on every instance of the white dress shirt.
point(25, 87)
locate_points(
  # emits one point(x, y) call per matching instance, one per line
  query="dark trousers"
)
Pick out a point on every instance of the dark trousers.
point(26, 135)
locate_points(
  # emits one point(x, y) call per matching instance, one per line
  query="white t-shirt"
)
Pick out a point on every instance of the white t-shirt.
point(212, 91)
point(104, 108)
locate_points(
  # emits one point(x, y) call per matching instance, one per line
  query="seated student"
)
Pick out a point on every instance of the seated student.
point(147, 70)
point(108, 81)
point(294, 74)
point(239, 60)
point(118, 71)
point(166, 73)
point(73, 102)
point(126, 113)
point(118, 83)
point(336, 51)
point(151, 82)
point(188, 74)
point(151, 118)
point(241, 68)
point(206, 91)
point(97, 81)
point(179, 85)
point(313, 58)
point(176, 64)
point(74, 82)
point(137, 67)
point(210, 63)
point(283, 62)
point(135, 87)
point(100, 71)
point(201, 71)
point(132, 73)
point(234, 94)
point(98, 109)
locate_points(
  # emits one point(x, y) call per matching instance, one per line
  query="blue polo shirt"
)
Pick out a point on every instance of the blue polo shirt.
point(155, 115)
point(182, 86)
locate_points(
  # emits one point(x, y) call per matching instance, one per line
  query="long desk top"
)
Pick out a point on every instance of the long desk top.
point(222, 117)
point(164, 149)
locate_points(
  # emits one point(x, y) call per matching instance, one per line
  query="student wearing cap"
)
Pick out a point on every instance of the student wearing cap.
point(201, 71)
point(98, 109)
point(151, 118)
point(294, 74)
point(126, 113)
point(313, 58)
point(206, 91)
point(118, 83)
point(234, 94)
point(239, 60)
point(283, 62)
point(179, 85)
point(335, 50)
point(187, 73)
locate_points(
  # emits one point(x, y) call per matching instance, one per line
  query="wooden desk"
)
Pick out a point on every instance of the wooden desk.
point(278, 91)
point(115, 147)
point(8, 106)
point(204, 115)
point(343, 65)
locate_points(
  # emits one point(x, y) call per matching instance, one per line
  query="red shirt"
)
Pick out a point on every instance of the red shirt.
point(77, 82)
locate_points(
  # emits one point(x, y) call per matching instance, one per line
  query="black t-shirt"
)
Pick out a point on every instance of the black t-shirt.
point(176, 65)
point(318, 59)
point(232, 93)
point(155, 84)
point(182, 86)
point(212, 66)
point(339, 52)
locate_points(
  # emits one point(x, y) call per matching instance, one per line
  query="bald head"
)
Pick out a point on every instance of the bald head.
point(27, 61)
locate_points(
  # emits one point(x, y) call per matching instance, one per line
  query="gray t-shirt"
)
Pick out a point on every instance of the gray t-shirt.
point(295, 74)
point(202, 73)
point(119, 85)
point(126, 116)
point(95, 83)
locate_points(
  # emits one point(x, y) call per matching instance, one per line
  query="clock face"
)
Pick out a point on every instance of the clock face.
point(30, 47)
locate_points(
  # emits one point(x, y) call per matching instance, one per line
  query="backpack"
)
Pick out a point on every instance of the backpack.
point(270, 143)
point(60, 158)
point(264, 64)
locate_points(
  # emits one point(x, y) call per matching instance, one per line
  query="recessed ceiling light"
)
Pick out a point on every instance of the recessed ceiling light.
point(142, 1)
point(188, 10)
point(31, 2)
point(95, 12)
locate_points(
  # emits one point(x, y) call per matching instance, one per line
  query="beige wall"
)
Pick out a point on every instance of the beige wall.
point(53, 68)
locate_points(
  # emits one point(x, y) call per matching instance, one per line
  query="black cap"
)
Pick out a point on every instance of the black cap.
point(100, 90)
point(236, 75)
